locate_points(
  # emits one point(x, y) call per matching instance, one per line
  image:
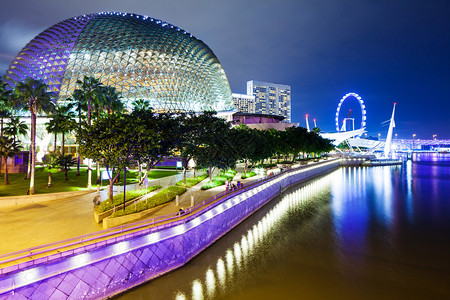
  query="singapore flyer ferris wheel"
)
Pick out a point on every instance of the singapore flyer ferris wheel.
point(345, 123)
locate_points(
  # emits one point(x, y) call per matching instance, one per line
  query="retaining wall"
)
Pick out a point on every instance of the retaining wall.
point(32, 199)
point(109, 267)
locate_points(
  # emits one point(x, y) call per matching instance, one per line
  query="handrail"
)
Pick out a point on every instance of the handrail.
point(123, 229)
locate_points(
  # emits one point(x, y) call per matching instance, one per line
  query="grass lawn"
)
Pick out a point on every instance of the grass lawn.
point(18, 186)
point(191, 181)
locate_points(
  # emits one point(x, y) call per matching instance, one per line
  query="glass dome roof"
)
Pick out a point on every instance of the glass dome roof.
point(144, 58)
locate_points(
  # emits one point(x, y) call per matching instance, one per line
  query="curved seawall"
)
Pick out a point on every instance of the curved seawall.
point(108, 268)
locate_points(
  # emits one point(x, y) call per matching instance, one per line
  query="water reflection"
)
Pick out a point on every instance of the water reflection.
point(357, 233)
point(234, 259)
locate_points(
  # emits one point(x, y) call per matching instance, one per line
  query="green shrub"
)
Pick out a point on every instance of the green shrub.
point(163, 196)
point(212, 184)
point(191, 181)
point(229, 174)
point(248, 175)
point(219, 179)
point(130, 195)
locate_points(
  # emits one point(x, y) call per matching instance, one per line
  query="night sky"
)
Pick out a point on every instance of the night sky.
point(385, 51)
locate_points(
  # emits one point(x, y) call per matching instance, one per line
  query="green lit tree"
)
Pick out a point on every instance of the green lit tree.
point(89, 92)
point(110, 100)
point(65, 162)
point(198, 135)
point(141, 104)
point(62, 121)
point(110, 139)
point(8, 148)
point(15, 128)
point(5, 104)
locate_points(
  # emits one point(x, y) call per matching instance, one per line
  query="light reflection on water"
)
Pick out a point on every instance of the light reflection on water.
point(371, 233)
point(241, 250)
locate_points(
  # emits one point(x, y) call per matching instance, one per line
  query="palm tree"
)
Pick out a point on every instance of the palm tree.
point(8, 148)
point(62, 121)
point(32, 94)
point(141, 104)
point(89, 91)
point(80, 107)
point(65, 162)
point(51, 161)
point(15, 127)
point(5, 107)
point(111, 100)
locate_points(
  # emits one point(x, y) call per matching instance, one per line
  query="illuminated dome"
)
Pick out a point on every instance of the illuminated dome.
point(144, 58)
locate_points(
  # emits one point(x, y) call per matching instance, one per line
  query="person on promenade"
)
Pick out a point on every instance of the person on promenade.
point(227, 184)
point(97, 200)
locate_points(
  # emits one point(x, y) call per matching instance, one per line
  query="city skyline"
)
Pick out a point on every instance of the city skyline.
point(385, 52)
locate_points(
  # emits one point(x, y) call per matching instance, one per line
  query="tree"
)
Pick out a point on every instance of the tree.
point(15, 127)
point(141, 104)
point(32, 94)
point(5, 107)
point(110, 100)
point(110, 139)
point(51, 161)
point(297, 138)
point(62, 121)
point(155, 136)
point(8, 148)
point(199, 134)
point(80, 106)
point(90, 89)
point(245, 143)
point(65, 162)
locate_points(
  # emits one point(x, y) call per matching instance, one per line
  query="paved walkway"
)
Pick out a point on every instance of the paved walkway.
point(37, 224)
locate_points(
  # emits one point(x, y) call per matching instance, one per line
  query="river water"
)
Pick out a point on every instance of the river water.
point(356, 233)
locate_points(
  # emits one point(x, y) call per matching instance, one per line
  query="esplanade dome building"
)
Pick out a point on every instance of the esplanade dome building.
point(142, 57)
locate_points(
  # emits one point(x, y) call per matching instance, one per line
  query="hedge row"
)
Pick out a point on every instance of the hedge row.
point(130, 195)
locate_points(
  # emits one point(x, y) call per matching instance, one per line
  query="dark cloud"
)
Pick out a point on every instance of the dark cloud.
point(385, 51)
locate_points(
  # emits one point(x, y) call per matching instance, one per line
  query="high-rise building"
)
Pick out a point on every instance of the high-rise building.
point(271, 98)
point(244, 103)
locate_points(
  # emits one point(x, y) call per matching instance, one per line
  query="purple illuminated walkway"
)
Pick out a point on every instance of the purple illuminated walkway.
point(102, 264)
point(28, 226)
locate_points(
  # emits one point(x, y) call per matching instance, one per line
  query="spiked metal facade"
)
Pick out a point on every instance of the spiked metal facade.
point(144, 58)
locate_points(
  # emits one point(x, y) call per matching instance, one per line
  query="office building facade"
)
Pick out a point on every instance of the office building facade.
point(244, 103)
point(271, 98)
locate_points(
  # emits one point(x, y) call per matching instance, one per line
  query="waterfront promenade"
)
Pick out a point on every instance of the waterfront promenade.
point(107, 262)
point(27, 226)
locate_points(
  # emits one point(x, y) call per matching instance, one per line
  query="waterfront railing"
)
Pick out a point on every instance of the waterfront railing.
point(47, 252)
